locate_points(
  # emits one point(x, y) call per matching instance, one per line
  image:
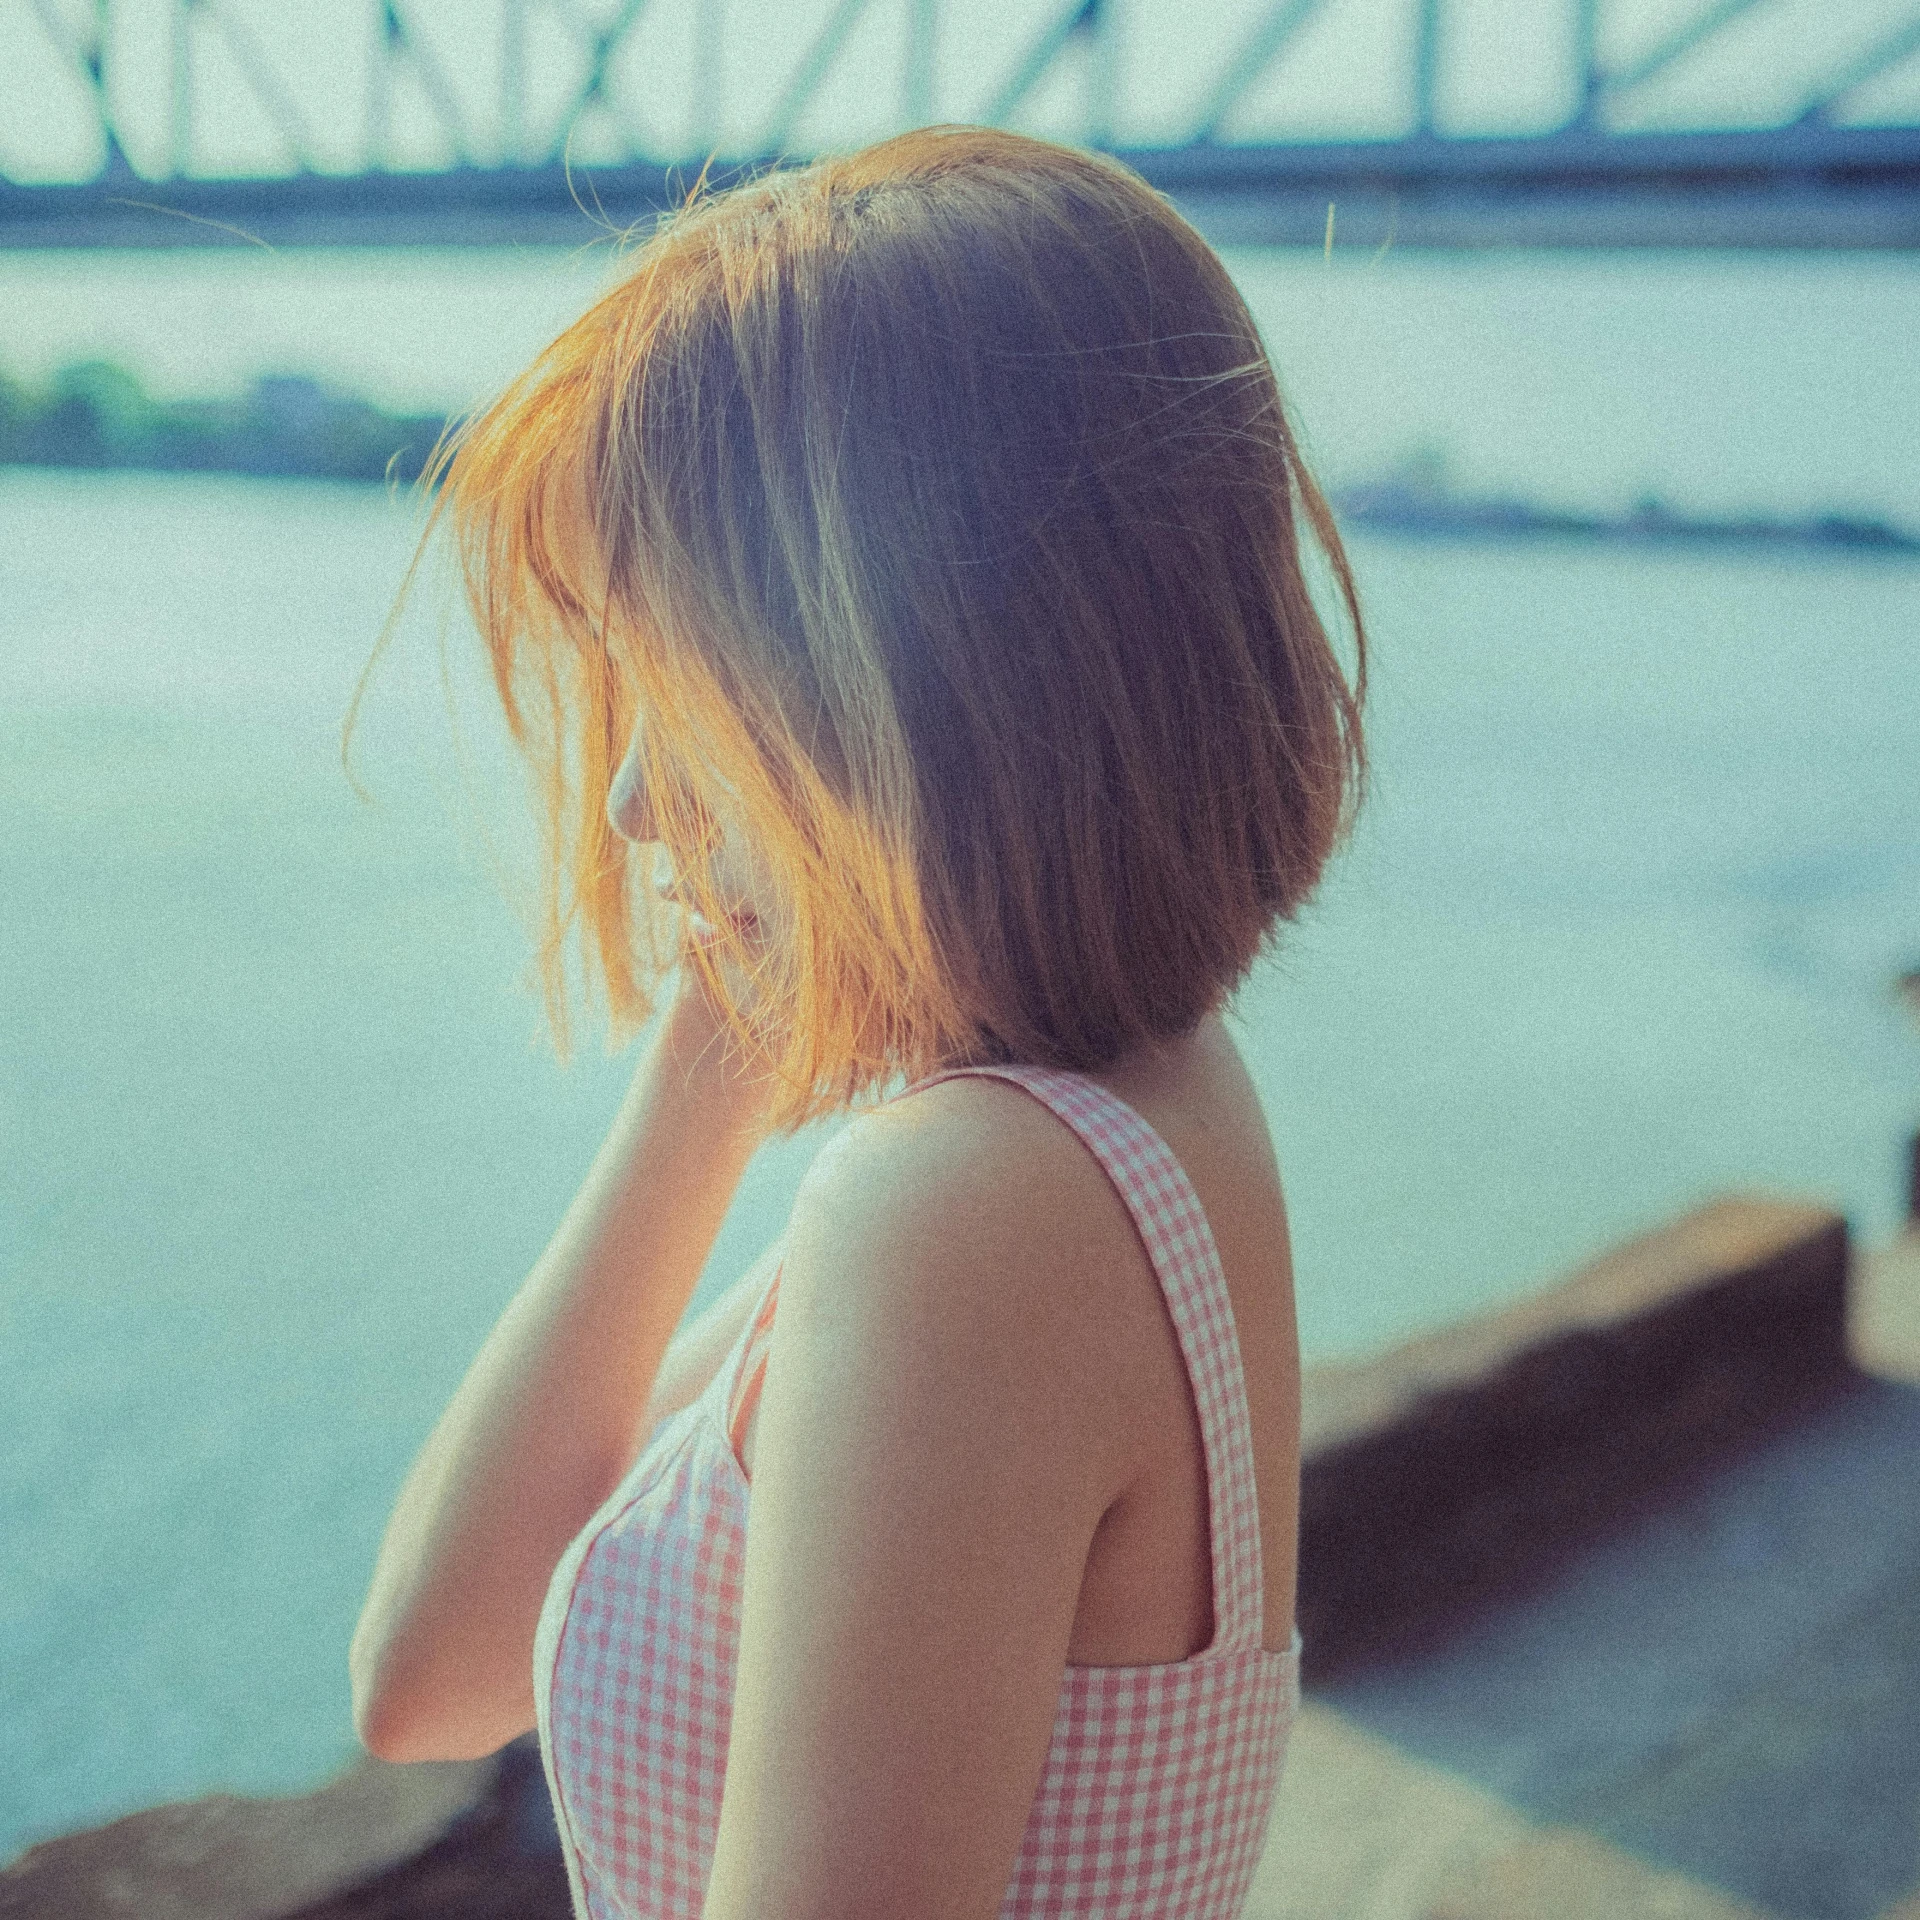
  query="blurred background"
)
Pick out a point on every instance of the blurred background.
point(1598, 318)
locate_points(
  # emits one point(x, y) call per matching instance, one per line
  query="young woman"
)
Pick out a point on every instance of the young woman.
point(919, 533)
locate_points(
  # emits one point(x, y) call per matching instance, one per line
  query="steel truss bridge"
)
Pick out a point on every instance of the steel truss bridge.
point(1602, 177)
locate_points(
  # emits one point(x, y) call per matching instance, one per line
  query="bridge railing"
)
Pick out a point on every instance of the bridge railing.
point(1598, 174)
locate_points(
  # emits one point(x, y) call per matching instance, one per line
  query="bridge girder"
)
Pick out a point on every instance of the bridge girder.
point(1592, 182)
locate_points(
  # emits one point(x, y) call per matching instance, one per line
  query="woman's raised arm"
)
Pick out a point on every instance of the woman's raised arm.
point(549, 1414)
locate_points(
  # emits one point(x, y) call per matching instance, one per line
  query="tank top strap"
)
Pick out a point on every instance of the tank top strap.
point(745, 1368)
point(1173, 1228)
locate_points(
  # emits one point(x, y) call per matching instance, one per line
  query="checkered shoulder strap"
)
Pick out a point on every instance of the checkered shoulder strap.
point(1172, 1226)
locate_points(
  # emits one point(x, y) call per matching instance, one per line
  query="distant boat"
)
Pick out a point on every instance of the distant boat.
point(1418, 500)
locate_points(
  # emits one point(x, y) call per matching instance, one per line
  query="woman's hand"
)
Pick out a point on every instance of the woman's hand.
point(551, 1413)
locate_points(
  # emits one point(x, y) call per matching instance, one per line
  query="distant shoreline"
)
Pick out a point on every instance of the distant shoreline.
point(95, 416)
point(1418, 506)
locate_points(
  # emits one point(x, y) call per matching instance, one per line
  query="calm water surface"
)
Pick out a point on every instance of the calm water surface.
point(278, 1137)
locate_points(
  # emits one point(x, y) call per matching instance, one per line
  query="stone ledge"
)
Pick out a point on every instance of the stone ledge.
point(228, 1858)
point(1364, 1831)
point(500, 1862)
point(1462, 1467)
point(1884, 1329)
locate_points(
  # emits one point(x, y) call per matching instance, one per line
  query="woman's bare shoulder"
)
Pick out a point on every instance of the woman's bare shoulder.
point(990, 1201)
point(969, 1144)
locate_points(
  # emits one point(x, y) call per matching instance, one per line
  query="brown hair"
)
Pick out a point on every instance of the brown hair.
point(936, 504)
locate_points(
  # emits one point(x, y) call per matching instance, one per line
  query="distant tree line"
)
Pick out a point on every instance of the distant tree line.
point(97, 414)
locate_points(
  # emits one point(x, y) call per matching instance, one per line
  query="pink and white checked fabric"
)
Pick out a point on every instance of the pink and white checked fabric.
point(1154, 1799)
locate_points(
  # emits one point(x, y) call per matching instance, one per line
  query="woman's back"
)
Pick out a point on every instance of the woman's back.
point(1146, 1595)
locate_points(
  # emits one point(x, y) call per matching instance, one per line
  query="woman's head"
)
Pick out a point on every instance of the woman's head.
point(930, 518)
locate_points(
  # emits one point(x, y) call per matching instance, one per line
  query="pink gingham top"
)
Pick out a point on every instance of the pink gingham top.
point(1155, 1795)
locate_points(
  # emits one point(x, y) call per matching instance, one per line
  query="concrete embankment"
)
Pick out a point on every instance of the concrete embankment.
point(1694, 1690)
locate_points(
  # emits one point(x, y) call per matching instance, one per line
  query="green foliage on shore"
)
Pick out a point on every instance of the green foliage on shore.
point(93, 413)
point(96, 414)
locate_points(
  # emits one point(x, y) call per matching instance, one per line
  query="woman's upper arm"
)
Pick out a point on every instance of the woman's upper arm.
point(926, 1486)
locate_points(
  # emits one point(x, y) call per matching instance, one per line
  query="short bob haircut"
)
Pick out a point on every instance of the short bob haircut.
point(936, 510)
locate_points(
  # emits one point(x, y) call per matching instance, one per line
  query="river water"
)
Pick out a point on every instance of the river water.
point(278, 1137)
